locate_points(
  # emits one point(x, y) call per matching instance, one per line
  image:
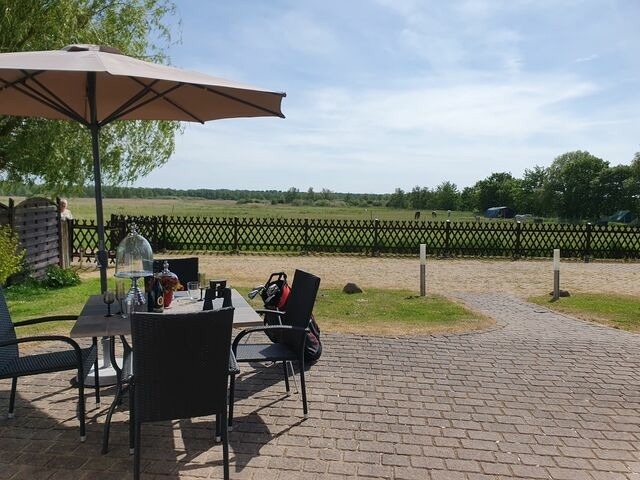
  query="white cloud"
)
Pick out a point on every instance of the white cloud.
point(466, 110)
point(588, 58)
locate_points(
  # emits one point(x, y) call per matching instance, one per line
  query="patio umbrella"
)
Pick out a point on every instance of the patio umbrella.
point(96, 85)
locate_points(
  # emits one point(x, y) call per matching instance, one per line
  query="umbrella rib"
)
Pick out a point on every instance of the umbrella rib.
point(61, 105)
point(245, 102)
point(27, 90)
point(124, 108)
point(163, 96)
point(130, 105)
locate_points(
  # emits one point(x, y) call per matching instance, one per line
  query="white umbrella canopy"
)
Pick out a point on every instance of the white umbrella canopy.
point(55, 84)
point(96, 85)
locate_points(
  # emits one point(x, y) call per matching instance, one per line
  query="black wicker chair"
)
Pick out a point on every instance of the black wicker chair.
point(290, 348)
point(185, 268)
point(180, 370)
point(14, 365)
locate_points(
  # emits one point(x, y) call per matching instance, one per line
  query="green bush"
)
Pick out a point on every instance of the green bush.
point(11, 256)
point(56, 277)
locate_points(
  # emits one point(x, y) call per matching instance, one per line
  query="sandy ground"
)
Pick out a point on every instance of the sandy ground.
point(444, 276)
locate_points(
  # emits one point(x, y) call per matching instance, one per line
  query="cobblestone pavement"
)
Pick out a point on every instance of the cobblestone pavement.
point(541, 395)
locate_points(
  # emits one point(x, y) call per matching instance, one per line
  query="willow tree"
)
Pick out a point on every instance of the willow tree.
point(57, 153)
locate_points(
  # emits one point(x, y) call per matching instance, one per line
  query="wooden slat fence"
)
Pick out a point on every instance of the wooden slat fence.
point(368, 237)
point(36, 222)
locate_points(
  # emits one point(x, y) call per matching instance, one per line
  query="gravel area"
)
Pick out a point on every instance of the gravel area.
point(444, 276)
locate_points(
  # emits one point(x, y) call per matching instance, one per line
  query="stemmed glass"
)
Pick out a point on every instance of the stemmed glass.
point(108, 297)
point(202, 281)
point(121, 295)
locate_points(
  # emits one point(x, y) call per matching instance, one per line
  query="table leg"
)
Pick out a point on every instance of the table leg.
point(108, 374)
point(122, 386)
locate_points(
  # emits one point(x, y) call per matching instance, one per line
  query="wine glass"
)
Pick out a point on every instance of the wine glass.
point(108, 297)
point(120, 296)
point(202, 281)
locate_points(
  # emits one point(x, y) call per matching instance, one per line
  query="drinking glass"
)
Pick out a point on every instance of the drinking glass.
point(202, 280)
point(121, 295)
point(108, 297)
point(193, 289)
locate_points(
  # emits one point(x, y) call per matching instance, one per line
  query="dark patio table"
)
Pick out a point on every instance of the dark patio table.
point(93, 322)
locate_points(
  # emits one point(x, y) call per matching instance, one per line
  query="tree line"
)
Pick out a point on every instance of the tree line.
point(292, 196)
point(576, 186)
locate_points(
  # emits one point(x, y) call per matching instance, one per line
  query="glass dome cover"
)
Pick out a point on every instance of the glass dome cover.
point(134, 256)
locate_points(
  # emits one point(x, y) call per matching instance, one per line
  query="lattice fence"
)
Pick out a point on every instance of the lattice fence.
point(369, 237)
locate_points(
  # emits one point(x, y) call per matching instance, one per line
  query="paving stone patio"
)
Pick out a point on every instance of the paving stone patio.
point(540, 396)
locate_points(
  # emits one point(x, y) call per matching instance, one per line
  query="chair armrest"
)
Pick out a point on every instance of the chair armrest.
point(45, 338)
point(234, 369)
point(262, 311)
point(54, 318)
point(247, 331)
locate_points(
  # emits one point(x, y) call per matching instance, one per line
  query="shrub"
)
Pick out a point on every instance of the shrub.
point(56, 277)
point(11, 256)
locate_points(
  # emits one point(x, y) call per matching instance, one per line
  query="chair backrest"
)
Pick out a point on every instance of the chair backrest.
point(181, 363)
point(7, 332)
point(210, 294)
point(185, 268)
point(302, 298)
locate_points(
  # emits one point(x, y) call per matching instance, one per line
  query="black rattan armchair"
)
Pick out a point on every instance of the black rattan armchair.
point(290, 348)
point(180, 370)
point(14, 365)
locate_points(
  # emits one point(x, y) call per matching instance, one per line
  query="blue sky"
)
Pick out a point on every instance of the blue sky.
point(384, 94)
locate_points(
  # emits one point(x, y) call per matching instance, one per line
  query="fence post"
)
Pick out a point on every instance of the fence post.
point(235, 248)
point(164, 239)
point(517, 253)
point(587, 244)
point(375, 247)
point(306, 237)
point(12, 212)
point(63, 244)
point(71, 244)
point(447, 238)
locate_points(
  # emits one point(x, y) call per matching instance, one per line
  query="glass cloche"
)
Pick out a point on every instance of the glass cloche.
point(134, 257)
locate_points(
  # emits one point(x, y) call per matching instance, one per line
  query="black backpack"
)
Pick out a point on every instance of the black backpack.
point(275, 293)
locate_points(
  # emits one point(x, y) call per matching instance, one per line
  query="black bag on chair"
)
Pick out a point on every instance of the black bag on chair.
point(313, 346)
point(275, 293)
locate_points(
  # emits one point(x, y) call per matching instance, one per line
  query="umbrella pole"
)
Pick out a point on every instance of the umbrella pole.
point(103, 258)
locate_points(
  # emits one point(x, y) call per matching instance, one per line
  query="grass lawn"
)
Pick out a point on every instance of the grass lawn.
point(393, 312)
point(375, 312)
point(617, 311)
point(26, 301)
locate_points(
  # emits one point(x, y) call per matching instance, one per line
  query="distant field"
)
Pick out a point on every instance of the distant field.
point(84, 208)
